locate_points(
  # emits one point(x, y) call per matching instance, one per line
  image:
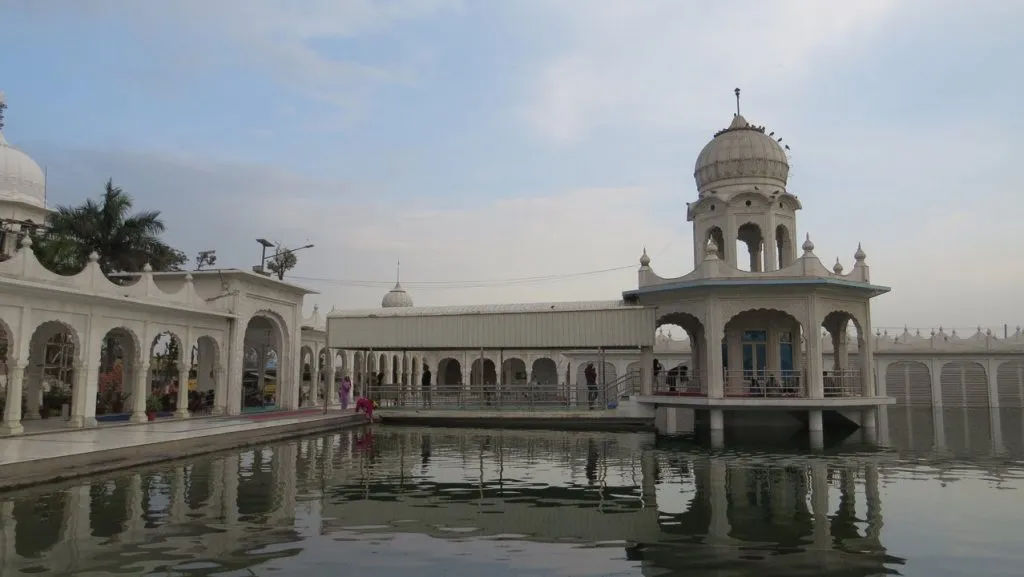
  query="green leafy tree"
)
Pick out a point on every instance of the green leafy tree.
point(283, 261)
point(124, 243)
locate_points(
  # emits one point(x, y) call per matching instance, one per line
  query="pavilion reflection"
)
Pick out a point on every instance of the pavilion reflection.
point(675, 506)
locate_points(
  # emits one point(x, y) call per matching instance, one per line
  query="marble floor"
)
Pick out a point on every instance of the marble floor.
point(64, 442)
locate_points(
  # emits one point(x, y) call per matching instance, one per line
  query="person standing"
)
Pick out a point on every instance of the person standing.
point(343, 392)
point(425, 386)
point(591, 375)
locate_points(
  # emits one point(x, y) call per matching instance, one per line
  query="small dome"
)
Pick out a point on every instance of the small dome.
point(396, 297)
point(743, 153)
point(21, 179)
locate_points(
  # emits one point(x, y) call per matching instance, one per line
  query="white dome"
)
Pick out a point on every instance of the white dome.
point(21, 179)
point(396, 297)
point(741, 154)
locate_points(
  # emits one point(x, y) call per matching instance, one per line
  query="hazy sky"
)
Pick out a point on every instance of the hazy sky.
point(494, 140)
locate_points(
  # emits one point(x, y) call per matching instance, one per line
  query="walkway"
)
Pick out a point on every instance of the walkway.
point(66, 453)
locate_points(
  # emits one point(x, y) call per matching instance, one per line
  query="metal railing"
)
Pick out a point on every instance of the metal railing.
point(844, 383)
point(510, 396)
point(764, 383)
point(529, 396)
point(690, 384)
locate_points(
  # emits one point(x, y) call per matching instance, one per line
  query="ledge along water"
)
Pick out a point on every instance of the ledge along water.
point(55, 455)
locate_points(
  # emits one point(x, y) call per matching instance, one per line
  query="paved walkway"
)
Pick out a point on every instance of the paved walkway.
point(69, 442)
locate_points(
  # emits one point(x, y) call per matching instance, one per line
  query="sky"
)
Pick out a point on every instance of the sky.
point(487, 141)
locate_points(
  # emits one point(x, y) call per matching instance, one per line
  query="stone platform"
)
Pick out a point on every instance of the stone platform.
point(52, 456)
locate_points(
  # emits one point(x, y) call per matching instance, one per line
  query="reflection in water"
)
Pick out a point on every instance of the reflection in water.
point(413, 501)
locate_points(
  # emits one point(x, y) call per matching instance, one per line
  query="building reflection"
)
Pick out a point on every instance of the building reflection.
point(676, 507)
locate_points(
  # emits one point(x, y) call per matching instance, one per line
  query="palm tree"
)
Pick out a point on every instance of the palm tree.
point(124, 243)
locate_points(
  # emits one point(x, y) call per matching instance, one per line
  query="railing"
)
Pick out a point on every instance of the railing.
point(845, 383)
point(624, 386)
point(530, 396)
point(690, 384)
point(764, 383)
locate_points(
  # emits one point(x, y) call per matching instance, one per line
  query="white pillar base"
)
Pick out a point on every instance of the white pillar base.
point(8, 429)
point(80, 422)
point(217, 411)
point(717, 419)
point(182, 414)
point(814, 421)
point(138, 418)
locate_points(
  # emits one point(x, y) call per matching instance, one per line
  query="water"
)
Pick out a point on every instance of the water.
point(444, 502)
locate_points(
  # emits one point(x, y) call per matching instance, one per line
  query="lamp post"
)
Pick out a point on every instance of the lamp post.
point(266, 243)
point(261, 268)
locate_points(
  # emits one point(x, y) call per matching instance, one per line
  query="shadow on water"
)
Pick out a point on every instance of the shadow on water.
point(417, 501)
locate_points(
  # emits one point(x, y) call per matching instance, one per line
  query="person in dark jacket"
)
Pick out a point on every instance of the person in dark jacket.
point(425, 386)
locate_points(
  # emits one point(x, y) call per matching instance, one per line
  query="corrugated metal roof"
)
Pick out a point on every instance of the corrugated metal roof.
point(572, 325)
point(482, 309)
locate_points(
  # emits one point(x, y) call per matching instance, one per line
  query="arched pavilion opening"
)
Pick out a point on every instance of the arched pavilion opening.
point(761, 355)
point(682, 378)
point(264, 341)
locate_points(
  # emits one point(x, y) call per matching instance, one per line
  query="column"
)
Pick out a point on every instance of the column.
point(33, 392)
point(331, 382)
point(935, 368)
point(734, 346)
point(219, 391)
point(819, 504)
point(815, 387)
point(139, 393)
point(181, 410)
point(646, 370)
point(874, 502)
point(938, 428)
point(711, 364)
point(8, 532)
point(83, 395)
point(178, 508)
point(12, 411)
point(992, 371)
point(136, 524)
point(718, 527)
point(230, 493)
point(870, 385)
point(77, 522)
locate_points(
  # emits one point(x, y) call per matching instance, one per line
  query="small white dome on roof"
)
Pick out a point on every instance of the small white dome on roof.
point(396, 297)
point(742, 154)
point(21, 179)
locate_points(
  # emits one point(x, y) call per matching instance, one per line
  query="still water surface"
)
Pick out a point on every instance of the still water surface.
point(446, 502)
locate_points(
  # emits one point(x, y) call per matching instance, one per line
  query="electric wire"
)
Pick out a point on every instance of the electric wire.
point(461, 284)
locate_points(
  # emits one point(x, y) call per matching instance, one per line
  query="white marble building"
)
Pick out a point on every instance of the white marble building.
point(240, 339)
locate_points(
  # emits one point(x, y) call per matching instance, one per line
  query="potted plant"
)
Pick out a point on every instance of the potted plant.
point(152, 406)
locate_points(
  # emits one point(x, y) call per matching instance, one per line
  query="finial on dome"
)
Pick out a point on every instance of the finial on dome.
point(26, 241)
point(644, 259)
point(838, 267)
point(859, 255)
point(711, 250)
point(147, 267)
point(94, 256)
point(808, 245)
point(737, 91)
point(316, 309)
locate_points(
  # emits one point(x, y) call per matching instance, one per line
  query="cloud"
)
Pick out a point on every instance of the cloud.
point(285, 40)
point(666, 64)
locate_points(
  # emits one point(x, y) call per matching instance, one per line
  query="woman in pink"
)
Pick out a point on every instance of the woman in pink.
point(343, 392)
